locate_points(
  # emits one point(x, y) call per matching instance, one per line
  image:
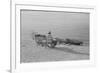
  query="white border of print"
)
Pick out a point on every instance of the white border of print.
point(15, 39)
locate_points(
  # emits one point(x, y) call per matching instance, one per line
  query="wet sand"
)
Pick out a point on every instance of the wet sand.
point(30, 52)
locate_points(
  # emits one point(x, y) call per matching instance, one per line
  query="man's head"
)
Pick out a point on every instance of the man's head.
point(49, 33)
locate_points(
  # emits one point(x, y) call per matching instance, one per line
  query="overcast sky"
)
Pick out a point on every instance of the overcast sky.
point(61, 24)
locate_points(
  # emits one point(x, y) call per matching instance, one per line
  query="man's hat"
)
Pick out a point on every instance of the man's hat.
point(49, 33)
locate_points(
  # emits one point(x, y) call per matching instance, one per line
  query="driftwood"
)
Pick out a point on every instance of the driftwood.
point(73, 42)
point(42, 40)
point(69, 41)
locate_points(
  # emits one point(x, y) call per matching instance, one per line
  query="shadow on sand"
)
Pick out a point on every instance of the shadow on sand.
point(69, 50)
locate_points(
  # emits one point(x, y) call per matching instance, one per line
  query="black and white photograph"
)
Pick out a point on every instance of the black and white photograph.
point(52, 36)
point(49, 36)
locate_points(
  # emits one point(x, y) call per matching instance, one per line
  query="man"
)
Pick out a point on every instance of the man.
point(49, 39)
